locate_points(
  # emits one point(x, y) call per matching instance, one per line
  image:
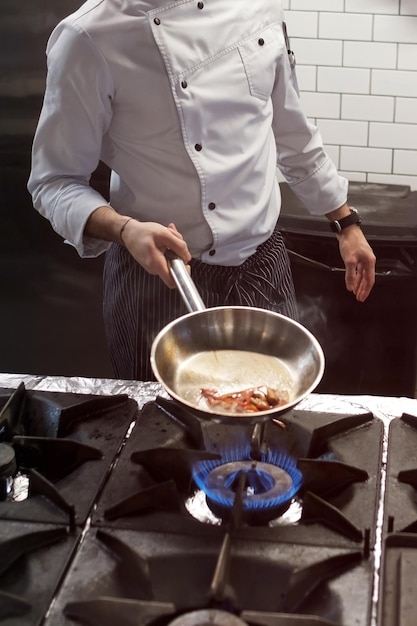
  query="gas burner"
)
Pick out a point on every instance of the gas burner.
point(55, 449)
point(262, 482)
point(209, 617)
point(267, 486)
point(7, 468)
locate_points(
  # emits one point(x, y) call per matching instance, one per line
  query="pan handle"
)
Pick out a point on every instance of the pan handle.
point(185, 283)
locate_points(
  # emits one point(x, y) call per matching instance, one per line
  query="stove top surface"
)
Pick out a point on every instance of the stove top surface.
point(112, 526)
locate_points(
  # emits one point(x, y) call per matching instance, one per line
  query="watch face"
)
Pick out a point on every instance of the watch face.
point(339, 225)
point(335, 226)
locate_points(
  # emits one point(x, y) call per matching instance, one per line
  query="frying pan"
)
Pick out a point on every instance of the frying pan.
point(232, 348)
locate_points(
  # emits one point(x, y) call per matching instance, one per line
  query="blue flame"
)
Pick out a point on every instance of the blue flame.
point(225, 498)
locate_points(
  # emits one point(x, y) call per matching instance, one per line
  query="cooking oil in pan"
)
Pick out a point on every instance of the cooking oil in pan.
point(227, 371)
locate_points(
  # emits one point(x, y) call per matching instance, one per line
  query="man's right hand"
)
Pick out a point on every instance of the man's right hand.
point(147, 242)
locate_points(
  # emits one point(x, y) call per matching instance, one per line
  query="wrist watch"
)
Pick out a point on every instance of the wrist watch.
point(338, 225)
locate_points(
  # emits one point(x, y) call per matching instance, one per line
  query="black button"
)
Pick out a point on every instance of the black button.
point(212, 252)
point(198, 147)
point(211, 206)
point(261, 41)
point(184, 84)
point(157, 21)
point(200, 5)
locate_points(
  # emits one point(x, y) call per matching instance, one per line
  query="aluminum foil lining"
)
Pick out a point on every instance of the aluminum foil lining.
point(385, 408)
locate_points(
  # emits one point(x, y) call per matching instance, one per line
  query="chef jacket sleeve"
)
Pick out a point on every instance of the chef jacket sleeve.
point(310, 173)
point(66, 150)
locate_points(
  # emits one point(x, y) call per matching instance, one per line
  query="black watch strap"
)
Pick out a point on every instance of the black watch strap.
point(338, 225)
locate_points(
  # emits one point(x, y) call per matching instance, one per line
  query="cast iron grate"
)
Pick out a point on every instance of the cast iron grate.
point(59, 449)
point(339, 457)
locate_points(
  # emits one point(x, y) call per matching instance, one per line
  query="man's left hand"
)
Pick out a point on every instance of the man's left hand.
point(359, 261)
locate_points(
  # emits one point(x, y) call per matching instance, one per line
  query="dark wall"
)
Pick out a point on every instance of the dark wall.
point(50, 313)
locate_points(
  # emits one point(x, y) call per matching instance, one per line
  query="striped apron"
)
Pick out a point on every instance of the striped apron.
point(137, 305)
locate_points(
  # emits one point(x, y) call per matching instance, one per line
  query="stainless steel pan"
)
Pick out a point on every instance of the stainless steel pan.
point(231, 348)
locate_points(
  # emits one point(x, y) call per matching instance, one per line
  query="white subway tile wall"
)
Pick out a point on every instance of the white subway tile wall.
point(408, 7)
point(357, 73)
point(407, 56)
point(406, 110)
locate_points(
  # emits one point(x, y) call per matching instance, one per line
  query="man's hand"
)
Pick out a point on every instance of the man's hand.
point(357, 255)
point(147, 242)
point(359, 261)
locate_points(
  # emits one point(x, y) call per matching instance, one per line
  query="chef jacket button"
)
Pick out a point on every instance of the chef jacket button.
point(184, 84)
point(261, 41)
point(157, 21)
point(212, 252)
point(198, 147)
point(200, 5)
point(211, 206)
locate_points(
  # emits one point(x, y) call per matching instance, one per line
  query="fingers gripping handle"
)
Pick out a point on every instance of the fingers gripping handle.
point(184, 283)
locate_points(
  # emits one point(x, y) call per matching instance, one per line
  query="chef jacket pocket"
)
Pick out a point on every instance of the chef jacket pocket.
point(259, 57)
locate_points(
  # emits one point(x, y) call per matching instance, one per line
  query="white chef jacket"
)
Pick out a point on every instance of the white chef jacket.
point(192, 105)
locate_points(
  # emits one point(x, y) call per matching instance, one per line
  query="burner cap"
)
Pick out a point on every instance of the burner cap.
point(269, 483)
point(8, 468)
point(208, 617)
point(268, 493)
point(7, 460)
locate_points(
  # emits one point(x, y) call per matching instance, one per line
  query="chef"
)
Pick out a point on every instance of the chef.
point(192, 105)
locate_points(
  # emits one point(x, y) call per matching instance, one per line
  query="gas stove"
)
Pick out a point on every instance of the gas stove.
point(118, 512)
